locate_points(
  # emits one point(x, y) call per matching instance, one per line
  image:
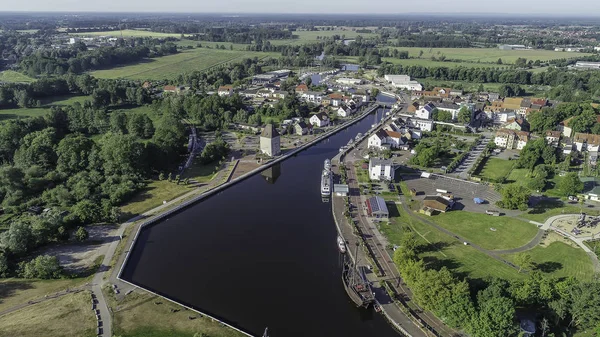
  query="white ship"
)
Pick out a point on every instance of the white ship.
point(326, 183)
point(341, 244)
point(327, 164)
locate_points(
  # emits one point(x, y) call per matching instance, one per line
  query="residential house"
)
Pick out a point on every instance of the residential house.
point(377, 140)
point(312, 96)
point(586, 142)
point(301, 89)
point(170, 89)
point(344, 111)
point(394, 139)
point(510, 139)
point(492, 96)
point(377, 208)
point(381, 169)
point(553, 138)
point(518, 124)
point(504, 116)
point(225, 90)
point(361, 97)
point(270, 143)
point(447, 106)
point(336, 99)
point(456, 92)
point(425, 111)
point(422, 124)
point(437, 202)
point(301, 128)
point(319, 120)
point(564, 127)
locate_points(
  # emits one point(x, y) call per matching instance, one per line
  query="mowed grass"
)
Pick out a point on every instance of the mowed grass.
point(171, 66)
point(439, 249)
point(152, 196)
point(431, 63)
point(41, 111)
point(13, 76)
point(559, 259)
point(549, 208)
point(495, 168)
point(67, 316)
point(14, 291)
point(509, 232)
point(128, 33)
point(488, 55)
point(138, 316)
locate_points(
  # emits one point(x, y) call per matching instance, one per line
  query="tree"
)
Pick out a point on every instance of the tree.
point(570, 184)
point(443, 116)
point(43, 266)
point(499, 61)
point(81, 234)
point(374, 93)
point(87, 212)
point(480, 88)
point(118, 122)
point(464, 115)
point(140, 126)
point(495, 317)
point(523, 261)
point(308, 81)
point(74, 153)
point(18, 238)
point(3, 264)
point(121, 154)
point(514, 196)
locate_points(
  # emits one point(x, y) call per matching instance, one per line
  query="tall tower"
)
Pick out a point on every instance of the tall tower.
point(270, 143)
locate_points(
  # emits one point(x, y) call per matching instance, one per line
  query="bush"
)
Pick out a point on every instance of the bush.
point(81, 234)
point(43, 266)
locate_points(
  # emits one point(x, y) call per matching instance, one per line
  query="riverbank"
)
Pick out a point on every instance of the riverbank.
point(183, 203)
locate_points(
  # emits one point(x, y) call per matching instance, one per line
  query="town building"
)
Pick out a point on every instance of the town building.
point(553, 138)
point(349, 81)
point(510, 139)
point(344, 111)
point(225, 90)
point(587, 65)
point(425, 112)
point(319, 120)
point(341, 190)
point(586, 142)
point(377, 208)
point(270, 143)
point(403, 82)
point(517, 124)
point(437, 202)
point(564, 127)
point(381, 169)
point(422, 124)
point(300, 128)
point(447, 106)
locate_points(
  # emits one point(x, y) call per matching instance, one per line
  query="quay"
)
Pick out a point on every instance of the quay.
point(120, 265)
point(356, 229)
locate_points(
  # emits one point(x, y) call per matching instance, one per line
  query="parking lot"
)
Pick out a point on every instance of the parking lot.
point(463, 169)
point(463, 191)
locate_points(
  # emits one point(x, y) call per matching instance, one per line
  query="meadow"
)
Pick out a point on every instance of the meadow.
point(171, 66)
point(128, 33)
point(13, 76)
point(42, 110)
point(495, 169)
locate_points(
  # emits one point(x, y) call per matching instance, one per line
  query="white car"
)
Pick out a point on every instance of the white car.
point(573, 198)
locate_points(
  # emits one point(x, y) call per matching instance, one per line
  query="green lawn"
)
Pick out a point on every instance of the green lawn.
point(546, 209)
point(347, 33)
point(439, 249)
point(561, 260)
point(171, 66)
point(13, 76)
point(488, 55)
point(193, 43)
point(15, 291)
point(128, 33)
point(430, 63)
point(475, 227)
point(495, 168)
point(46, 105)
point(152, 196)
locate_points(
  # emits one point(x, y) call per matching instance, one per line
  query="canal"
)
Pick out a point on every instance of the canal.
point(261, 253)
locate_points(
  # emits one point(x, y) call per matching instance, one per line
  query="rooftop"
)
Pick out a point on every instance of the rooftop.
point(269, 131)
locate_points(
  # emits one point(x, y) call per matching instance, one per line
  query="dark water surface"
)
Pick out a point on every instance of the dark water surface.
point(260, 254)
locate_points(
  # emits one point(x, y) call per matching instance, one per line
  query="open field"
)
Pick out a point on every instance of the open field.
point(138, 316)
point(128, 33)
point(46, 105)
point(431, 63)
point(546, 209)
point(559, 259)
point(152, 196)
point(171, 66)
point(488, 55)
point(67, 316)
point(495, 168)
point(439, 249)
point(193, 43)
point(15, 291)
point(13, 76)
point(476, 227)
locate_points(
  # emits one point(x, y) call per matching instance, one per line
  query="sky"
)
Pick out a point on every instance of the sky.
point(555, 7)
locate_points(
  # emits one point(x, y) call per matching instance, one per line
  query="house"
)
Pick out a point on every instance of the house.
point(510, 139)
point(504, 116)
point(425, 111)
point(301, 128)
point(422, 124)
point(518, 124)
point(377, 140)
point(564, 127)
point(170, 89)
point(301, 89)
point(360, 97)
point(553, 138)
point(344, 111)
point(493, 96)
point(312, 96)
point(341, 190)
point(319, 120)
point(147, 85)
point(412, 108)
point(587, 65)
point(513, 103)
point(403, 82)
point(437, 202)
point(377, 208)
point(225, 90)
point(456, 92)
point(270, 143)
point(381, 169)
point(586, 142)
point(448, 106)
point(335, 99)
point(394, 139)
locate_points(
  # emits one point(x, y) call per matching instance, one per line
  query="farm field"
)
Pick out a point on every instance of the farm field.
point(440, 249)
point(171, 66)
point(128, 33)
point(13, 76)
point(488, 55)
point(186, 43)
point(509, 232)
point(69, 316)
point(559, 259)
point(430, 63)
point(495, 168)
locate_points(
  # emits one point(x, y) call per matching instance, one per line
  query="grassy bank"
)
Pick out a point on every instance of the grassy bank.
point(14, 291)
point(13, 76)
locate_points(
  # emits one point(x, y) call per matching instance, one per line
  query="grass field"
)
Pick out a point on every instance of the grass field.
point(46, 105)
point(495, 168)
point(15, 291)
point(431, 63)
point(67, 316)
point(475, 227)
point(128, 33)
point(546, 209)
point(152, 196)
point(171, 66)
point(138, 316)
point(559, 259)
point(13, 76)
point(488, 55)
point(439, 249)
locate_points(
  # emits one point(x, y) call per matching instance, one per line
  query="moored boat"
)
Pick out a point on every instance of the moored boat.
point(326, 183)
point(341, 244)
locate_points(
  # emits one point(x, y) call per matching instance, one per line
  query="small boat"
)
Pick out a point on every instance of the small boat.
point(358, 136)
point(327, 164)
point(377, 308)
point(350, 141)
point(341, 244)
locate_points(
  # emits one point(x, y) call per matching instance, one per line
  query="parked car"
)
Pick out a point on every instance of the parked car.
point(492, 212)
point(573, 198)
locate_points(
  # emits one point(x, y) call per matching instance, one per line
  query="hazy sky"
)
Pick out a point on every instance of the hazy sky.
point(556, 7)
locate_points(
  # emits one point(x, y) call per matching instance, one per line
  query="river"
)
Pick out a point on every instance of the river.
point(261, 253)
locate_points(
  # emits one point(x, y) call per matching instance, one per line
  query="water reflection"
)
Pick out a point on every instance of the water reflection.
point(272, 173)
